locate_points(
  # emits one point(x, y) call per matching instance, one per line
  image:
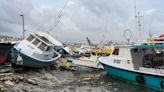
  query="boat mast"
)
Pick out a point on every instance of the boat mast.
point(58, 19)
point(138, 22)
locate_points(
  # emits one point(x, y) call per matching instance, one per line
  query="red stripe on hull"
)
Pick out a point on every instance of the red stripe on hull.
point(3, 59)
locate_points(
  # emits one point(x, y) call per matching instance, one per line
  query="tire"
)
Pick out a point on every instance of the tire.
point(162, 84)
point(140, 79)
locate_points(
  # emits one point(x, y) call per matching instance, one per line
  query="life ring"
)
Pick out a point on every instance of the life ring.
point(162, 84)
point(140, 79)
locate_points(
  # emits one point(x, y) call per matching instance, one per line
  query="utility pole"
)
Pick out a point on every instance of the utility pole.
point(23, 26)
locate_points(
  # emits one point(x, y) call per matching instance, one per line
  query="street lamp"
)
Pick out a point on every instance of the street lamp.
point(23, 26)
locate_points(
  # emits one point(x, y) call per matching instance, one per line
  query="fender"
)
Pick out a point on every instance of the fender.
point(140, 79)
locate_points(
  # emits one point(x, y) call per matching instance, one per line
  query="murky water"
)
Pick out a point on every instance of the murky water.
point(98, 81)
point(59, 80)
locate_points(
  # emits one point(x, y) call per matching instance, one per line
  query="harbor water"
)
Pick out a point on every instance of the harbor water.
point(63, 80)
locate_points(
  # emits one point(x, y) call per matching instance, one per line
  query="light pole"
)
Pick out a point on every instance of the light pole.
point(23, 26)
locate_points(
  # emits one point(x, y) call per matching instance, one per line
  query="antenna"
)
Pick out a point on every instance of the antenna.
point(136, 24)
point(135, 9)
point(150, 34)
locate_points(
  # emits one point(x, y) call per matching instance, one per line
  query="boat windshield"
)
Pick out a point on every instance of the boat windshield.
point(42, 46)
point(36, 42)
point(115, 52)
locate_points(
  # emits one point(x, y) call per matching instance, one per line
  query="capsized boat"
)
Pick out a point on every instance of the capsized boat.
point(90, 58)
point(141, 64)
point(36, 51)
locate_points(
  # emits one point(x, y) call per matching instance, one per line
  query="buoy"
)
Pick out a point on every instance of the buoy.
point(19, 60)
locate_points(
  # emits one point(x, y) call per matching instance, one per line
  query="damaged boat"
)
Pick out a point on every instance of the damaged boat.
point(90, 58)
point(36, 51)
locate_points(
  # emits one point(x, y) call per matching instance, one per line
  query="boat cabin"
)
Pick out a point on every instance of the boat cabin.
point(40, 42)
point(136, 56)
point(39, 46)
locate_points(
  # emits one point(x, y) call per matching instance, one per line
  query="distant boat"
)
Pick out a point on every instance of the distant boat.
point(90, 58)
point(154, 40)
point(141, 64)
point(36, 51)
point(5, 49)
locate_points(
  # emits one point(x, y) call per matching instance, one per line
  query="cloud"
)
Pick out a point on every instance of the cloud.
point(149, 12)
point(10, 19)
point(97, 19)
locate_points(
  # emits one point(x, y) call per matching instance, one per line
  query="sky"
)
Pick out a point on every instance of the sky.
point(100, 20)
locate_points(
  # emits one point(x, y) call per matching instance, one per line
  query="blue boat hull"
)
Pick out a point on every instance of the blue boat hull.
point(26, 60)
point(151, 81)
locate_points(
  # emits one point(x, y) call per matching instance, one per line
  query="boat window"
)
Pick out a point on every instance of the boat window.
point(42, 46)
point(107, 54)
point(116, 52)
point(30, 38)
point(93, 53)
point(135, 50)
point(36, 42)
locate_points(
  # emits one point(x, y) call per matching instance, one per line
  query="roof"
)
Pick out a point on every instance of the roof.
point(47, 39)
point(44, 39)
point(148, 46)
point(141, 46)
